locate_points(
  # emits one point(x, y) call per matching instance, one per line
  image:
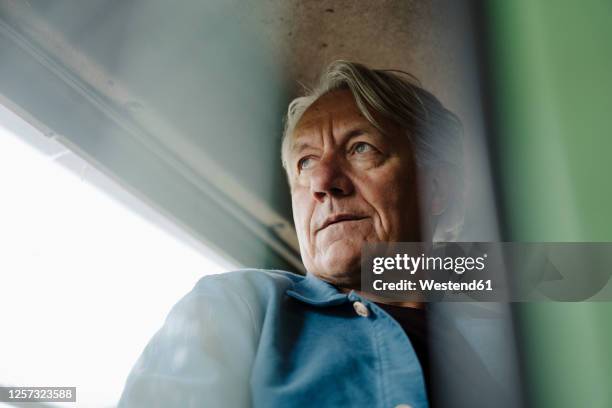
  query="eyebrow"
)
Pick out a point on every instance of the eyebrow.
point(298, 148)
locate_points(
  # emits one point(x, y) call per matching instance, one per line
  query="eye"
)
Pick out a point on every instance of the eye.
point(304, 163)
point(362, 147)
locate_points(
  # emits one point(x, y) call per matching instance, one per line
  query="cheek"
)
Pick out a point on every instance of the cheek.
point(387, 206)
point(391, 195)
point(302, 213)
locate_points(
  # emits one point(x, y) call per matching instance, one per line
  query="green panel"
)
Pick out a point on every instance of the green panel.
point(552, 62)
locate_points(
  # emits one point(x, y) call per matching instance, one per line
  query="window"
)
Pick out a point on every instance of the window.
point(88, 272)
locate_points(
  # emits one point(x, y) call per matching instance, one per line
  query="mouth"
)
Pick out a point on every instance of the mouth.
point(338, 218)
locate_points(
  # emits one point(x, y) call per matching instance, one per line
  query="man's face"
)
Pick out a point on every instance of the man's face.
point(350, 184)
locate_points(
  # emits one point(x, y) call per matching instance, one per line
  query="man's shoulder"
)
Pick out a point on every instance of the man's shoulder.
point(208, 342)
point(223, 300)
point(264, 279)
point(255, 287)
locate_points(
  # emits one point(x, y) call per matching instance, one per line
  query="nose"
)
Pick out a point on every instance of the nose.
point(329, 179)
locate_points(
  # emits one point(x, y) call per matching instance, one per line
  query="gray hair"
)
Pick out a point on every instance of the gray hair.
point(434, 131)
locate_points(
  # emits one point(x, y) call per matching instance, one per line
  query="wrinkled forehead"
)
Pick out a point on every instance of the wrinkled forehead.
point(333, 113)
point(336, 107)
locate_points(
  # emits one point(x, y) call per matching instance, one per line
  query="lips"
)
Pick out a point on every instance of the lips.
point(336, 218)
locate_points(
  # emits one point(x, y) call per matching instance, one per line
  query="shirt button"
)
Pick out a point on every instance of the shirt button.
point(361, 309)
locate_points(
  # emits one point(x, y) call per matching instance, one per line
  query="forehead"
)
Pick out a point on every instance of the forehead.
point(338, 106)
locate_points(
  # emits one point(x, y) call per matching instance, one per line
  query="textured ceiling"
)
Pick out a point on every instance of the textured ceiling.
point(426, 38)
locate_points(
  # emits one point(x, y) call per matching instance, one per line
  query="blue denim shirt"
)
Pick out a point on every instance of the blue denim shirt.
point(275, 339)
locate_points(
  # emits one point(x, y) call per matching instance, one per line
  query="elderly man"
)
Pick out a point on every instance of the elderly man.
point(369, 157)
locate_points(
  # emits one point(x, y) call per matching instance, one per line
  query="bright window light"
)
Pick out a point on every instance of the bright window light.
point(86, 277)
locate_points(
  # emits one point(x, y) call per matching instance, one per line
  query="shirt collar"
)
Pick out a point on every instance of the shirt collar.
point(316, 292)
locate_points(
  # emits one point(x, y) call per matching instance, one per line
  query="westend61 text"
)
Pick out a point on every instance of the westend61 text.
point(429, 285)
